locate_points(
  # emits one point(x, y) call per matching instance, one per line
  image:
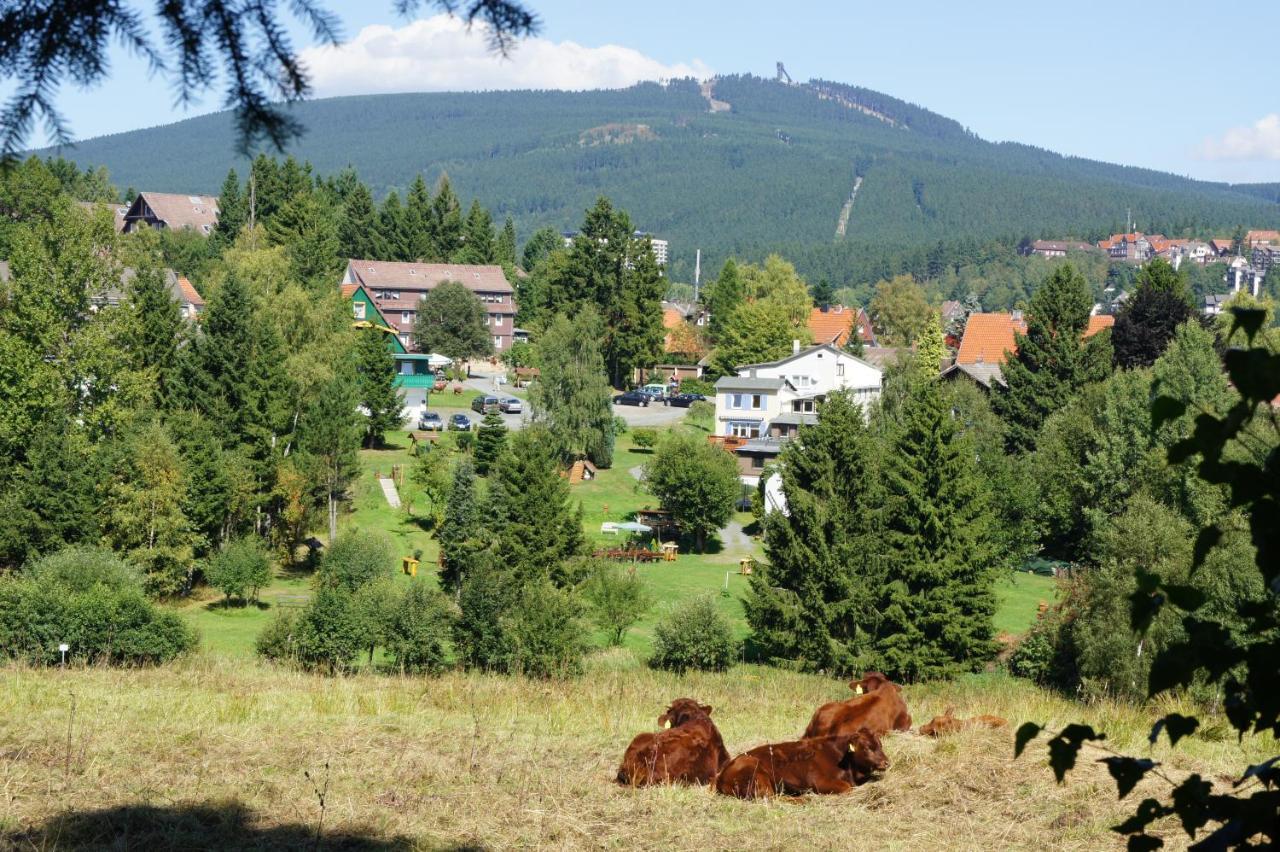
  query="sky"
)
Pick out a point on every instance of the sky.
point(1179, 87)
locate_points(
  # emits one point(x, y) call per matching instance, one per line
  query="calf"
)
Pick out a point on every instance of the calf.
point(688, 750)
point(830, 765)
point(880, 709)
point(947, 723)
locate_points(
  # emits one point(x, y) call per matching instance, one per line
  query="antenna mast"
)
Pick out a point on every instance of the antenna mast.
point(697, 273)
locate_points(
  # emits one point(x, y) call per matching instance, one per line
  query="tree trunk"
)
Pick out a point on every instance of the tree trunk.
point(333, 518)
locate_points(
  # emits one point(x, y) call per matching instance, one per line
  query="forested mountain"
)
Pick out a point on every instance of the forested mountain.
point(773, 170)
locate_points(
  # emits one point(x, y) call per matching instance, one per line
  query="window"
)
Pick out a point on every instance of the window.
point(488, 320)
point(757, 401)
point(757, 462)
point(735, 400)
point(497, 342)
point(404, 341)
point(358, 308)
point(744, 428)
point(406, 368)
point(802, 406)
point(839, 368)
point(406, 317)
point(497, 320)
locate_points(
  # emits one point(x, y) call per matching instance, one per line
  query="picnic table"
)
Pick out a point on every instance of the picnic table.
point(628, 554)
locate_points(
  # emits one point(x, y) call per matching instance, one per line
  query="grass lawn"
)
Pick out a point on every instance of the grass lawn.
point(451, 400)
point(1018, 598)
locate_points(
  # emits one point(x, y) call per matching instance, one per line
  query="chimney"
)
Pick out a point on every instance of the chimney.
point(795, 347)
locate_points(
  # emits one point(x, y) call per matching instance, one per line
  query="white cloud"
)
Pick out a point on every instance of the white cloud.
point(1261, 141)
point(439, 54)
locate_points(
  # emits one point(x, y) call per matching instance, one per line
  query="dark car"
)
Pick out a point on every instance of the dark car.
point(485, 404)
point(460, 423)
point(684, 400)
point(430, 421)
point(633, 397)
point(510, 405)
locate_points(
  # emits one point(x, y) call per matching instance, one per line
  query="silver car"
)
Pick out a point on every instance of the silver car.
point(510, 405)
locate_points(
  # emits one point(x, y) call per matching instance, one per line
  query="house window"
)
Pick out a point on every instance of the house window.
point(357, 308)
point(488, 320)
point(406, 368)
point(404, 341)
point(497, 320)
point(839, 368)
point(497, 342)
point(406, 317)
point(744, 428)
point(757, 401)
point(757, 462)
point(802, 406)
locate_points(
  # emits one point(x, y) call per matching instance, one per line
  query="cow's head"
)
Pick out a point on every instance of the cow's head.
point(863, 755)
point(682, 710)
point(871, 681)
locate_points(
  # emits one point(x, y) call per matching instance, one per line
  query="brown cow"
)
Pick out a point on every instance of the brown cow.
point(947, 723)
point(880, 709)
point(688, 750)
point(830, 765)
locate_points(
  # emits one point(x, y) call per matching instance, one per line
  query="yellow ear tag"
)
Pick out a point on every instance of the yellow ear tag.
point(852, 747)
point(666, 724)
point(858, 690)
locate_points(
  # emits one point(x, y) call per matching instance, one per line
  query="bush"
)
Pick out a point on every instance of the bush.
point(644, 438)
point(694, 636)
point(101, 613)
point(620, 426)
point(701, 411)
point(328, 633)
point(701, 386)
point(240, 569)
point(278, 641)
point(485, 595)
point(464, 441)
point(617, 598)
point(356, 558)
point(419, 630)
point(542, 633)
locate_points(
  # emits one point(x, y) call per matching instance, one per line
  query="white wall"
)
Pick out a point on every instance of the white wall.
point(821, 370)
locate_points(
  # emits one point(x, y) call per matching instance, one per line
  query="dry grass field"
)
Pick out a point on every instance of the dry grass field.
point(215, 753)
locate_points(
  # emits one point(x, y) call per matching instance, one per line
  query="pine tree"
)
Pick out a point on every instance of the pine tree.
point(308, 230)
point(722, 297)
point(329, 435)
point(376, 373)
point(395, 234)
point(504, 250)
point(210, 493)
point(358, 233)
point(459, 533)
point(812, 603)
point(491, 440)
point(51, 499)
point(823, 294)
point(931, 348)
point(420, 224)
point(1053, 360)
point(446, 221)
point(232, 211)
point(937, 598)
point(159, 325)
point(477, 237)
point(1146, 323)
point(634, 321)
point(535, 527)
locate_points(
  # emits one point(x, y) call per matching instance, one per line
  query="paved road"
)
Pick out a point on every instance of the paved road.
point(652, 416)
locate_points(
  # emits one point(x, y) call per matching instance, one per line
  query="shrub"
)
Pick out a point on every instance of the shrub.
point(240, 569)
point(694, 636)
point(356, 558)
point(701, 411)
point(542, 633)
point(644, 438)
point(464, 441)
point(419, 629)
point(278, 641)
point(617, 598)
point(698, 386)
point(101, 613)
point(328, 632)
point(485, 594)
point(373, 607)
point(620, 425)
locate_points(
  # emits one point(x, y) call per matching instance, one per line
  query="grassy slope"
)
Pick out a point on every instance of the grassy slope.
point(210, 753)
point(232, 631)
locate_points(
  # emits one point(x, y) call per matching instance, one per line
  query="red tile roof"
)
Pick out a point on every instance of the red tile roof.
point(987, 337)
point(189, 293)
point(832, 325)
point(424, 276)
point(197, 212)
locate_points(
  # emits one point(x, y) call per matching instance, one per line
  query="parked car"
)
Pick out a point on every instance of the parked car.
point(460, 423)
point(485, 404)
point(430, 421)
point(684, 400)
point(656, 392)
point(633, 397)
point(510, 405)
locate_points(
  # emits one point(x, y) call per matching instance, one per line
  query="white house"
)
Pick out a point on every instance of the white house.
point(764, 405)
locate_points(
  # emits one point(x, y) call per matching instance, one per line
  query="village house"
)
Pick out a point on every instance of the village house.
point(683, 344)
point(764, 405)
point(190, 302)
point(117, 211)
point(835, 324)
point(397, 288)
point(989, 339)
point(1058, 248)
point(415, 372)
point(197, 213)
point(1222, 246)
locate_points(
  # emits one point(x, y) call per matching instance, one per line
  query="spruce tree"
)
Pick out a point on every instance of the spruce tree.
point(722, 297)
point(459, 532)
point(534, 524)
point(504, 250)
point(378, 395)
point(233, 212)
point(358, 234)
point(395, 234)
point(635, 332)
point(446, 221)
point(812, 603)
point(931, 348)
point(491, 440)
point(1053, 360)
point(308, 229)
point(478, 240)
point(51, 499)
point(159, 326)
point(937, 598)
point(1146, 323)
point(419, 224)
point(329, 434)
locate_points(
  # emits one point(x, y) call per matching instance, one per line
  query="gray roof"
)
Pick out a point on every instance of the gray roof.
point(984, 374)
point(804, 351)
point(764, 446)
point(748, 383)
point(796, 418)
point(1217, 299)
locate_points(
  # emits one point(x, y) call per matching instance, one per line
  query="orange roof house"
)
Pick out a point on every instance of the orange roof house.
point(836, 323)
point(988, 337)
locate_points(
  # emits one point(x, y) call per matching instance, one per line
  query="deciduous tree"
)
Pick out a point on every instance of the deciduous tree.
point(696, 481)
point(451, 321)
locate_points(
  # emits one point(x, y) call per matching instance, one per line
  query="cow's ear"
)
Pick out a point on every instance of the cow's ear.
point(706, 708)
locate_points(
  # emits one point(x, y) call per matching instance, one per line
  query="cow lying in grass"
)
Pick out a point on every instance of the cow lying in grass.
point(688, 750)
point(947, 723)
point(877, 705)
point(830, 765)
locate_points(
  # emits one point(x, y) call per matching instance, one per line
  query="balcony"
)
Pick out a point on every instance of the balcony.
point(415, 380)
